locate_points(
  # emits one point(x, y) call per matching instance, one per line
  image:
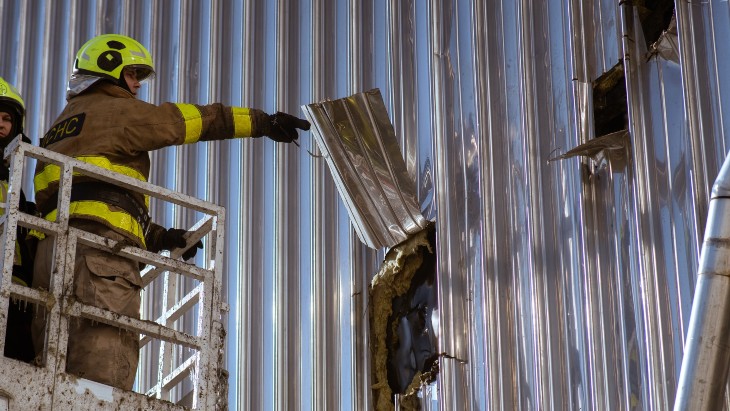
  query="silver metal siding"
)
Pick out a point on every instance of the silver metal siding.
point(560, 290)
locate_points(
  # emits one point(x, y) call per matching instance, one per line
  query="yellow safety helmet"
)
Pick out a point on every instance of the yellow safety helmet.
point(108, 54)
point(11, 102)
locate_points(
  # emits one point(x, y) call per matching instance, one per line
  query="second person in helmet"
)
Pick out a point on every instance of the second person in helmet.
point(106, 125)
point(18, 343)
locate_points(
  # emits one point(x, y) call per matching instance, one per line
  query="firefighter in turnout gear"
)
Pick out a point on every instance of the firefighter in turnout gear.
point(105, 124)
point(18, 343)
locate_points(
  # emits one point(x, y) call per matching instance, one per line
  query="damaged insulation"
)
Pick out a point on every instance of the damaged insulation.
point(403, 337)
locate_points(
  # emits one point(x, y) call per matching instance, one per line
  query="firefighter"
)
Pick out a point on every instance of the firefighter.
point(18, 343)
point(105, 124)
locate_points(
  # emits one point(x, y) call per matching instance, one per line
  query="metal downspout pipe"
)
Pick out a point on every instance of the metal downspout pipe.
point(704, 373)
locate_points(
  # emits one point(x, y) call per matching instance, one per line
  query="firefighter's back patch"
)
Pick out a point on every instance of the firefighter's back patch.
point(69, 127)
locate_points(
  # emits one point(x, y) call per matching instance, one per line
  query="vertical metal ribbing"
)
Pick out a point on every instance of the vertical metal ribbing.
point(582, 290)
point(702, 32)
point(645, 233)
point(319, 222)
point(696, 31)
point(702, 28)
point(357, 292)
point(402, 94)
point(451, 278)
point(360, 341)
point(281, 199)
point(639, 137)
point(533, 281)
point(244, 398)
point(287, 274)
point(486, 382)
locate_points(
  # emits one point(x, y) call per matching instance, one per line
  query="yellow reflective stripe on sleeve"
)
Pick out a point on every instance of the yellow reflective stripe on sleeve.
point(52, 173)
point(193, 122)
point(241, 122)
point(118, 219)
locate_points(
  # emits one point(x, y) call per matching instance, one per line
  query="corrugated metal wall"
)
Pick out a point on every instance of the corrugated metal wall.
point(560, 288)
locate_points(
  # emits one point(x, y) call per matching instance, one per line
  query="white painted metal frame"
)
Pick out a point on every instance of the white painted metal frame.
point(29, 386)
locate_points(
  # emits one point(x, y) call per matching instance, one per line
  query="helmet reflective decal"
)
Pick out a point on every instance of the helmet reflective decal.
point(140, 53)
point(116, 45)
point(109, 60)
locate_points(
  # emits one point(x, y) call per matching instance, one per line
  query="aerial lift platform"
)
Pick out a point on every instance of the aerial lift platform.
point(188, 374)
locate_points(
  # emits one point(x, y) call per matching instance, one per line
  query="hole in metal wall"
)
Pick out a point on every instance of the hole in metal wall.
point(655, 17)
point(403, 322)
point(609, 90)
point(610, 109)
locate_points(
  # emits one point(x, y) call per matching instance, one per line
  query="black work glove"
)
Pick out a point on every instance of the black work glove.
point(173, 238)
point(283, 127)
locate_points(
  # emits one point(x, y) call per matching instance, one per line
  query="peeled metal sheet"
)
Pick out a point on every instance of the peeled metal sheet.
point(358, 142)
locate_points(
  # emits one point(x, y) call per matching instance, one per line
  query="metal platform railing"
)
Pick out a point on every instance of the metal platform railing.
point(47, 386)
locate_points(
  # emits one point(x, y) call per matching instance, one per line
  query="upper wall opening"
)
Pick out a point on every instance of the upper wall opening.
point(655, 16)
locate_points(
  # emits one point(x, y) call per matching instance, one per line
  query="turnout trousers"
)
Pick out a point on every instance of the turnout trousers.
point(96, 351)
